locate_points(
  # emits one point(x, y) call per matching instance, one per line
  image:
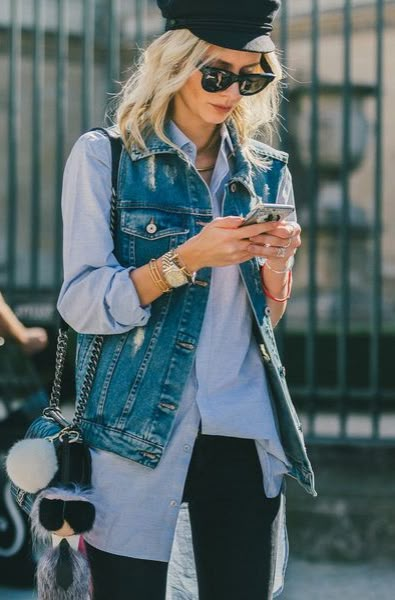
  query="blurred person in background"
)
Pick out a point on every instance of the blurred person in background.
point(18, 344)
point(22, 398)
point(30, 339)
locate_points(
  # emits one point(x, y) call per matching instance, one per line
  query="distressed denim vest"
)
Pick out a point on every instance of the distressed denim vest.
point(162, 201)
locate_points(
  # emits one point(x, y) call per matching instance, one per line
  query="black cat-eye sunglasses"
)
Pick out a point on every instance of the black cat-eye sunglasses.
point(217, 80)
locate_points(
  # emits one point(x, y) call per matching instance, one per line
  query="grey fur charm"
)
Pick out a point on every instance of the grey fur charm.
point(72, 492)
point(48, 587)
point(62, 572)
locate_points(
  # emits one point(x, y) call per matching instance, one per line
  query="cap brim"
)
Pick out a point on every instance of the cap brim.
point(235, 40)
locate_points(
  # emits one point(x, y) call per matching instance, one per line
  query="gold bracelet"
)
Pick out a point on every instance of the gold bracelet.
point(157, 277)
point(289, 263)
point(183, 266)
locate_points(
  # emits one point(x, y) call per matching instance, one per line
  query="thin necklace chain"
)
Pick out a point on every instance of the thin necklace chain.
point(213, 138)
point(203, 169)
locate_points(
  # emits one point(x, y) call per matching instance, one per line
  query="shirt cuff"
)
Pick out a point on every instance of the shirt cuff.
point(125, 308)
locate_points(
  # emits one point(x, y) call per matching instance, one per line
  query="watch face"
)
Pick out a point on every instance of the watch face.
point(175, 277)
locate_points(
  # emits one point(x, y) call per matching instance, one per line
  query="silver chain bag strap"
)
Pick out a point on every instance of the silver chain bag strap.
point(52, 425)
point(50, 469)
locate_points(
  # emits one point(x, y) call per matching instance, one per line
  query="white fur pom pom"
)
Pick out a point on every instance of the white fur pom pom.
point(32, 464)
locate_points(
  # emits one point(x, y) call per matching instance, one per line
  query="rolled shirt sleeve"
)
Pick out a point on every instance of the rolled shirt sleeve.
point(97, 295)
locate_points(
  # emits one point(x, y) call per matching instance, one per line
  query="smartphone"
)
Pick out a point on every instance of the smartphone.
point(263, 213)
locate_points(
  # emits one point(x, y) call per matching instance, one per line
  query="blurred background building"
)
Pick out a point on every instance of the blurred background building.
point(60, 61)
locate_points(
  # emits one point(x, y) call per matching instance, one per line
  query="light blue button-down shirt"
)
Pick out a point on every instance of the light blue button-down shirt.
point(232, 395)
point(137, 507)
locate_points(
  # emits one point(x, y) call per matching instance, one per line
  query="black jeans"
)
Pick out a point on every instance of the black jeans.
point(234, 532)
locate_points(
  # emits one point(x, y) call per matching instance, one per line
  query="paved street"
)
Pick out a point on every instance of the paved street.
point(329, 581)
point(11, 594)
point(313, 581)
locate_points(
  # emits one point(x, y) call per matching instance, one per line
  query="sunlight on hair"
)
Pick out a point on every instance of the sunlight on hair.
point(144, 103)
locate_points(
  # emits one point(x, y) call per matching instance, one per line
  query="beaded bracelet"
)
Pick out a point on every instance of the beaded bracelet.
point(289, 287)
point(157, 278)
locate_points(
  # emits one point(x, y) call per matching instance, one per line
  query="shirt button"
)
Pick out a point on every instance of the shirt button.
point(151, 228)
point(187, 447)
point(173, 503)
point(233, 187)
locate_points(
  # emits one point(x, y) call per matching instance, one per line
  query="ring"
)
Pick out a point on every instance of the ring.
point(289, 243)
point(281, 252)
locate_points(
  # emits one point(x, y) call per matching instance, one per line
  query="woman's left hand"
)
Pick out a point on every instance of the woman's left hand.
point(279, 244)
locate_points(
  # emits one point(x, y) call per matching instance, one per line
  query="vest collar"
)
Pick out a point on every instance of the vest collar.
point(242, 168)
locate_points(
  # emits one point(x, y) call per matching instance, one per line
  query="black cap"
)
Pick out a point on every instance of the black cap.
point(235, 24)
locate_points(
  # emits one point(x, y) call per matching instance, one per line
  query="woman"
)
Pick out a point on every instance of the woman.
point(189, 402)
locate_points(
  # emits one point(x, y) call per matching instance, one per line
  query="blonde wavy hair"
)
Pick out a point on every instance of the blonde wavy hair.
point(144, 102)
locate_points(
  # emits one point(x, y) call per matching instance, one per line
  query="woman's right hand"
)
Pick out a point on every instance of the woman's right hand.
point(221, 243)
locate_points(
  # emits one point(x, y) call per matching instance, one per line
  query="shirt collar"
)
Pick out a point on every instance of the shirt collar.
point(179, 138)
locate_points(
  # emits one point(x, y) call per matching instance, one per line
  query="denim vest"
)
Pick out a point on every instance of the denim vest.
point(142, 373)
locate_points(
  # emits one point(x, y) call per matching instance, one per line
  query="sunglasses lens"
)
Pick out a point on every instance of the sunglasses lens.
point(214, 80)
point(253, 85)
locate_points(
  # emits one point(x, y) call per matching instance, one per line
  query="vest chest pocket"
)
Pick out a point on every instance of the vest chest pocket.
point(147, 233)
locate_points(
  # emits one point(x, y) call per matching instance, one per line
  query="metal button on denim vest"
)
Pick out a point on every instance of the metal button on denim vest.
point(142, 373)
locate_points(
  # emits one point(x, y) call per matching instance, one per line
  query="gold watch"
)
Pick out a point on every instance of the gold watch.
point(174, 272)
